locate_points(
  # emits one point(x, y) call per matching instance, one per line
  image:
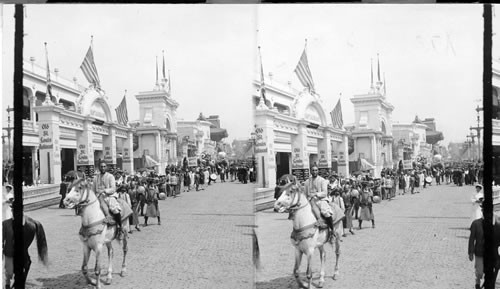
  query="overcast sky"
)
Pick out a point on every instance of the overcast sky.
point(208, 50)
point(431, 54)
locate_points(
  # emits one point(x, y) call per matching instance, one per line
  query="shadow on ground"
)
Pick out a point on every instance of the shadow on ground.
point(289, 282)
point(72, 280)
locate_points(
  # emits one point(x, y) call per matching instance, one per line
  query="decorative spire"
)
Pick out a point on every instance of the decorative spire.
point(385, 91)
point(156, 70)
point(371, 74)
point(378, 68)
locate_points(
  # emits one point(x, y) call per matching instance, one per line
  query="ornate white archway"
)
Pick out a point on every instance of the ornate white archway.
point(94, 103)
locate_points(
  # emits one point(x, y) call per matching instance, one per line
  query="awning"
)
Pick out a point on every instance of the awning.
point(150, 162)
point(365, 165)
point(217, 134)
point(432, 137)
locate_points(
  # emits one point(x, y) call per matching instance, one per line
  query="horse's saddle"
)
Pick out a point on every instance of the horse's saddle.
point(337, 215)
point(125, 211)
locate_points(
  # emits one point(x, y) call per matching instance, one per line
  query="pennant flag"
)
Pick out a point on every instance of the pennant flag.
point(336, 115)
point(48, 94)
point(121, 111)
point(262, 84)
point(304, 73)
point(89, 69)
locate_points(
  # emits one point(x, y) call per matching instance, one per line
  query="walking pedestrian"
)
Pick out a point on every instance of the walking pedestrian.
point(134, 200)
point(152, 210)
point(476, 249)
point(63, 190)
point(348, 203)
point(366, 210)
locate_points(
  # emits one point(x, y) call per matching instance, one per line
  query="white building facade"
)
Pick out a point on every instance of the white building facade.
point(293, 132)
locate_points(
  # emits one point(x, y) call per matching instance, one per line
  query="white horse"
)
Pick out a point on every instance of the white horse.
point(307, 235)
point(94, 233)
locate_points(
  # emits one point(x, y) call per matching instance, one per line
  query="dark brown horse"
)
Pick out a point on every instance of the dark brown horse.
point(31, 229)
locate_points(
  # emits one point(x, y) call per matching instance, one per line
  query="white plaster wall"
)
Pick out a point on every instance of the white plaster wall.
point(148, 143)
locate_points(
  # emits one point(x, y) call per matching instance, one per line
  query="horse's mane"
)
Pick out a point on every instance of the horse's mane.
point(79, 181)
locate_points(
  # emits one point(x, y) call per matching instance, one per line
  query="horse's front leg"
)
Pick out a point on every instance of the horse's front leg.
point(309, 272)
point(86, 256)
point(298, 260)
point(336, 273)
point(109, 277)
point(123, 273)
point(97, 268)
point(322, 257)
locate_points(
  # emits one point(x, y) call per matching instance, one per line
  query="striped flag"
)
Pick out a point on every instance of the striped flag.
point(336, 115)
point(304, 73)
point(89, 69)
point(48, 95)
point(121, 112)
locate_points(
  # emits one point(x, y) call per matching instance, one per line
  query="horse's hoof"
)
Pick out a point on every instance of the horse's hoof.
point(107, 281)
point(335, 275)
point(92, 281)
point(123, 273)
point(320, 284)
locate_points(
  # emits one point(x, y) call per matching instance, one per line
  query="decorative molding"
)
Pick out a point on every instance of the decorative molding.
point(284, 126)
point(70, 122)
point(314, 133)
point(100, 130)
point(67, 132)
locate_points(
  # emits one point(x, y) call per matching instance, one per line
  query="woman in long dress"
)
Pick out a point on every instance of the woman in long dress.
point(366, 210)
point(152, 211)
point(134, 200)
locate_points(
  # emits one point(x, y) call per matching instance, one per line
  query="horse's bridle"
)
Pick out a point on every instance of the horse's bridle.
point(84, 198)
point(297, 206)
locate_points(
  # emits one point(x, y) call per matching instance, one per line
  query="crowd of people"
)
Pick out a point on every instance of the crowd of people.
point(143, 189)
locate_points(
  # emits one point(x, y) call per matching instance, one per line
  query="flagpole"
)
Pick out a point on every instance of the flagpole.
point(48, 84)
point(156, 70)
point(169, 83)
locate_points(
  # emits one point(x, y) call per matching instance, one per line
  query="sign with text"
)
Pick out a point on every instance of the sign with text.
point(108, 158)
point(82, 157)
point(301, 174)
point(297, 162)
point(342, 160)
point(407, 165)
point(192, 161)
point(260, 143)
point(46, 134)
point(126, 155)
point(322, 162)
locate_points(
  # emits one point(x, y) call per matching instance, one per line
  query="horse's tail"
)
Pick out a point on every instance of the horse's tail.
point(256, 251)
point(41, 243)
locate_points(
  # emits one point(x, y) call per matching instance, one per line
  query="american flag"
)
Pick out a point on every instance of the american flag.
point(304, 73)
point(48, 94)
point(121, 112)
point(89, 69)
point(336, 115)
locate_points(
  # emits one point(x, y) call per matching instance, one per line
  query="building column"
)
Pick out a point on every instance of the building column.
point(325, 152)
point(85, 151)
point(128, 156)
point(50, 148)
point(35, 163)
point(343, 158)
point(300, 157)
point(264, 150)
point(109, 147)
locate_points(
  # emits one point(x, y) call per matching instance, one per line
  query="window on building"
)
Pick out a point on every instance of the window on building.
point(26, 105)
point(67, 104)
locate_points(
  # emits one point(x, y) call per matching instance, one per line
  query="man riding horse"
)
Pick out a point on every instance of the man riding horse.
point(316, 188)
point(104, 186)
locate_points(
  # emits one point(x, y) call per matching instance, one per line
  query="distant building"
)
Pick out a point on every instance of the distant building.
point(411, 138)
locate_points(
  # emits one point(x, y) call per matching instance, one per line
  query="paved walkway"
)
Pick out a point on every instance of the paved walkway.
point(420, 241)
point(204, 241)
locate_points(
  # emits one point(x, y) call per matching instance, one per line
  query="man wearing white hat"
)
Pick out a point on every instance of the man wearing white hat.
point(7, 202)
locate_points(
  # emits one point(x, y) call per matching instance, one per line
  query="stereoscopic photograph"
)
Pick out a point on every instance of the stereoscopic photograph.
point(247, 146)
